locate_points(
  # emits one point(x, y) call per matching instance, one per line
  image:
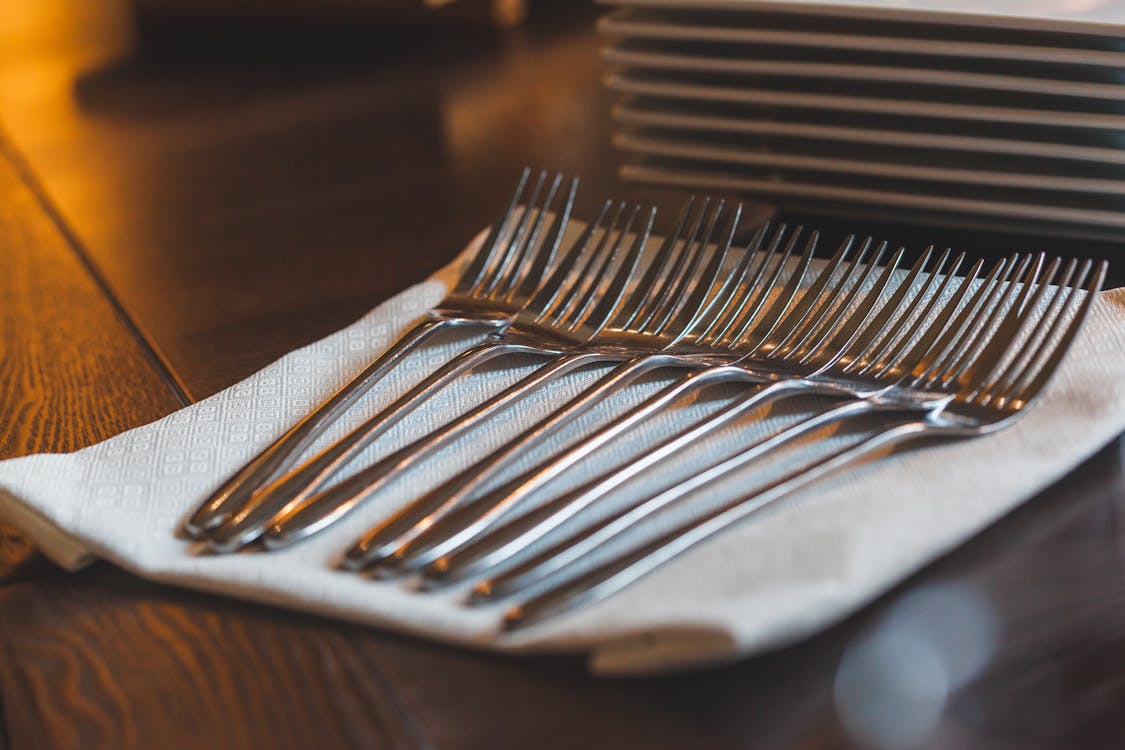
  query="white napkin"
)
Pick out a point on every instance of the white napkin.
point(802, 565)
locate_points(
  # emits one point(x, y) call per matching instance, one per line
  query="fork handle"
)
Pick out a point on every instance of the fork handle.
point(583, 541)
point(234, 493)
point(467, 520)
point(310, 512)
point(498, 544)
point(248, 523)
point(623, 570)
point(380, 544)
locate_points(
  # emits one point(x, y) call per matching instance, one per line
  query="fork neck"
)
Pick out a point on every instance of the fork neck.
point(464, 316)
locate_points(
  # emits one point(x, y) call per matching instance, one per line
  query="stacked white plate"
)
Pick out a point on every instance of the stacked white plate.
point(995, 112)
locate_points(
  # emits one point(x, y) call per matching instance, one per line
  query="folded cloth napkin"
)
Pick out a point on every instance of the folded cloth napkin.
point(799, 567)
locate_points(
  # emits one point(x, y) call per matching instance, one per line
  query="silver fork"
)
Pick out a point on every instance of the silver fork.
point(499, 278)
point(572, 306)
point(930, 339)
point(992, 377)
point(842, 363)
point(659, 313)
point(387, 554)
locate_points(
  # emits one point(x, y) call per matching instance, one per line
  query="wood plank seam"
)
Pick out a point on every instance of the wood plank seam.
point(5, 720)
point(410, 723)
point(148, 346)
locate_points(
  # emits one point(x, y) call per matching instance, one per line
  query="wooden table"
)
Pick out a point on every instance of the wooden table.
point(176, 201)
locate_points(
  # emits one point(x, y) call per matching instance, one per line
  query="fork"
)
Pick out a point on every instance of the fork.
point(572, 306)
point(500, 277)
point(842, 361)
point(941, 336)
point(660, 313)
point(965, 390)
point(387, 550)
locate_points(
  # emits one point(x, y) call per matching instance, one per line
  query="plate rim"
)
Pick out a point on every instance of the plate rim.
point(851, 9)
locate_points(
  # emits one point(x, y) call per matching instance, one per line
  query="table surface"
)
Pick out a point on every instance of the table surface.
point(177, 203)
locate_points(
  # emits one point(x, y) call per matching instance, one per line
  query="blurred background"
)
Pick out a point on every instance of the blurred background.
point(231, 159)
point(239, 175)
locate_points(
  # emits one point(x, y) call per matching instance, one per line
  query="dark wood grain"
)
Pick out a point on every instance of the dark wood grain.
point(101, 660)
point(66, 380)
point(240, 190)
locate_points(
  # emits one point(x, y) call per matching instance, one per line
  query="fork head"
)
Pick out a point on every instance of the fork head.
point(683, 278)
point(520, 249)
point(774, 334)
point(588, 284)
point(1015, 358)
point(682, 281)
point(989, 353)
point(688, 299)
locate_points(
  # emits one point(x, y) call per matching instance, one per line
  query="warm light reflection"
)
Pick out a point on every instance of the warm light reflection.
point(83, 33)
point(45, 45)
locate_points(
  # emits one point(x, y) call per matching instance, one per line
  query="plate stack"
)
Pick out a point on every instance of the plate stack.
point(994, 113)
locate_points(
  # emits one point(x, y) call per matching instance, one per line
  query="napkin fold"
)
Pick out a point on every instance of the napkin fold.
point(802, 565)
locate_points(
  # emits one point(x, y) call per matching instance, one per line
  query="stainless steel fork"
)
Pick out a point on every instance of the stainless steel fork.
point(985, 374)
point(501, 276)
point(659, 313)
point(941, 335)
point(455, 516)
point(883, 338)
point(585, 290)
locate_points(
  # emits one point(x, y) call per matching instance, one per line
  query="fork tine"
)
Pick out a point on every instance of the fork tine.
point(993, 379)
point(548, 294)
point(893, 319)
point(1053, 348)
point(654, 277)
point(911, 351)
point(847, 328)
point(979, 318)
point(611, 297)
point(822, 305)
point(943, 335)
point(544, 259)
point(990, 310)
point(977, 353)
point(791, 316)
point(749, 327)
point(516, 244)
point(687, 301)
point(682, 260)
point(581, 280)
point(735, 291)
point(745, 283)
point(901, 334)
point(984, 356)
point(602, 285)
point(484, 257)
point(518, 265)
point(859, 334)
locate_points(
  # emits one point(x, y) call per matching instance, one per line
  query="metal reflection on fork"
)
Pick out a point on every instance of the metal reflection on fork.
point(585, 290)
point(919, 332)
point(696, 343)
point(660, 313)
point(990, 367)
point(771, 349)
point(840, 366)
point(497, 281)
